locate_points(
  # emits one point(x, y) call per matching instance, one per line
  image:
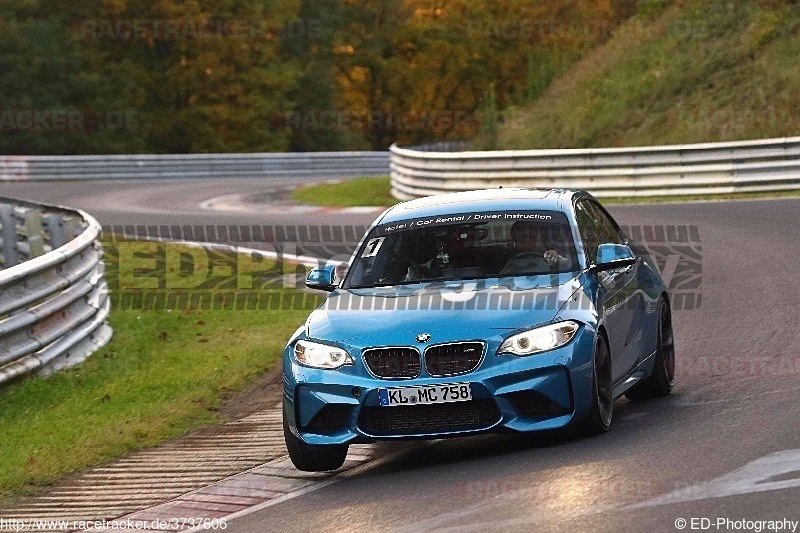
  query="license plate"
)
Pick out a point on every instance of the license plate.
point(425, 395)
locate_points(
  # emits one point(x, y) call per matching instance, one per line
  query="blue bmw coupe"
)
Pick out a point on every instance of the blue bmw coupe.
point(498, 310)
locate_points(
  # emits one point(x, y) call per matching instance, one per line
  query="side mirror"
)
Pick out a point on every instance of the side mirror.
point(323, 278)
point(611, 256)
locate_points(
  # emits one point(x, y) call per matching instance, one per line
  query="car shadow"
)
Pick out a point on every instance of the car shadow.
point(427, 455)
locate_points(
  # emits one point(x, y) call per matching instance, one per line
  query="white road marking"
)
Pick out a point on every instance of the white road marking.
point(751, 478)
point(761, 475)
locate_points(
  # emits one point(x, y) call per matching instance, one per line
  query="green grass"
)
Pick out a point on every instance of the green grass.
point(163, 374)
point(367, 191)
point(686, 71)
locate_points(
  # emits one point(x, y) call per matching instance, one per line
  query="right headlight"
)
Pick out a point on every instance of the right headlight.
point(316, 355)
point(540, 339)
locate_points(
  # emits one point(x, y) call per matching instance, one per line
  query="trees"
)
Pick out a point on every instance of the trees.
point(308, 46)
point(237, 75)
point(198, 77)
point(52, 100)
point(212, 84)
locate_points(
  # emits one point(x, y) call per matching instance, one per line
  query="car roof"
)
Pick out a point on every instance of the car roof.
point(516, 199)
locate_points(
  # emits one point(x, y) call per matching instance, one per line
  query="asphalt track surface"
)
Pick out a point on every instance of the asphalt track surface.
point(724, 445)
point(166, 202)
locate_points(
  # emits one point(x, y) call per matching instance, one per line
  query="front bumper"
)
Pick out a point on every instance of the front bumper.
point(509, 393)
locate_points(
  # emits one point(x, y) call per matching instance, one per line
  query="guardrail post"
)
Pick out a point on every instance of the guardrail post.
point(8, 233)
point(32, 243)
point(56, 227)
point(35, 232)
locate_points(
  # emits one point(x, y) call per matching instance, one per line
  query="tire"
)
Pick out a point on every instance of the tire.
point(601, 412)
point(662, 379)
point(310, 458)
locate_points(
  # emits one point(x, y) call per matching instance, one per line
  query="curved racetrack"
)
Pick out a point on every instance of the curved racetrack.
point(725, 444)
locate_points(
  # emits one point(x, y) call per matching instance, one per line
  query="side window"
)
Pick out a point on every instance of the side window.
point(595, 227)
point(588, 229)
point(608, 229)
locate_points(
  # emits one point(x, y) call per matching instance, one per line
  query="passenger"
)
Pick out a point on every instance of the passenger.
point(532, 253)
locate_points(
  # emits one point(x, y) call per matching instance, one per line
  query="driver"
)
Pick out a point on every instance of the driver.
point(452, 254)
point(533, 254)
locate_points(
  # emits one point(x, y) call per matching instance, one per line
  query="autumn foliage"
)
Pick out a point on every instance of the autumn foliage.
point(244, 76)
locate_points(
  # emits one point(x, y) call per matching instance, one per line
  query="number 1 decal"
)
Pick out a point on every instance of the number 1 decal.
point(373, 247)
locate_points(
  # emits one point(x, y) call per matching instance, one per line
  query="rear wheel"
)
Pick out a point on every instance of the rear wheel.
point(602, 410)
point(663, 377)
point(310, 458)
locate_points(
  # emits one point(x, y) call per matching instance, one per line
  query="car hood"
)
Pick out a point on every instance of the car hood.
point(446, 311)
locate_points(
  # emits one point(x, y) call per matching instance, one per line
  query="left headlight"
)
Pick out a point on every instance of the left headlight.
point(318, 355)
point(540, 340)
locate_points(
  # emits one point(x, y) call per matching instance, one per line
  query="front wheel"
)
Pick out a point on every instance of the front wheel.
point(602, 411)
point(310, 458)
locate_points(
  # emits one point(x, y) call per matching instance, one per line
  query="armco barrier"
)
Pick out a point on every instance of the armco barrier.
point(53, 298)
point(192, 166)
point(713, 168)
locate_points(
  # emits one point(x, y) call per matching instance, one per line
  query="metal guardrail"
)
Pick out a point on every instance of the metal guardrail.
point(53, 298)
point(712, 168)
point(329, 164)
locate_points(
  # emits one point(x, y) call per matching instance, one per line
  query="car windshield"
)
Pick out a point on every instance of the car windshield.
point(464, 247)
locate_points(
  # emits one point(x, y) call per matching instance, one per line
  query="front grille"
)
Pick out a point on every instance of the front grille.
point(429, 419)
point(393, 362)
point(451, 359)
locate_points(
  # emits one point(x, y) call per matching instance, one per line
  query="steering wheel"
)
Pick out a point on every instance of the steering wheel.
point(421, 271)
point(531, 253)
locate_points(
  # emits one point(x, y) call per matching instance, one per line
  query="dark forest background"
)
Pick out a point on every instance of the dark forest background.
point(171, 76)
